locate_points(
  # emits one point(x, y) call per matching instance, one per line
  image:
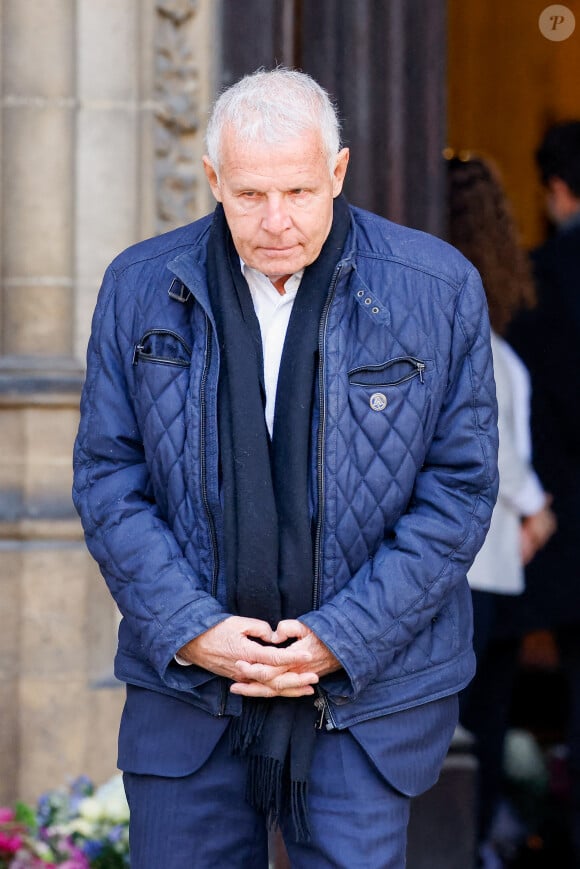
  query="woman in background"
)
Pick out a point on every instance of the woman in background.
point(481, 226)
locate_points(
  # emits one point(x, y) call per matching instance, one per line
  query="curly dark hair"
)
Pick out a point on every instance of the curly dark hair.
point(481, 226)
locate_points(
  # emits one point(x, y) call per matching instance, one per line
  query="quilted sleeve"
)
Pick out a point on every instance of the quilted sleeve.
point(150, 580)
point(395, 595)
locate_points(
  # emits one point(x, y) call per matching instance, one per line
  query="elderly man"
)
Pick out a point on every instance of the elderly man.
point(286, 464)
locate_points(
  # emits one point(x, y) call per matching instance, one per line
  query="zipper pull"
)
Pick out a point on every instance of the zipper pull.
point(421, 368)
point(136, 350)
point(320, 705)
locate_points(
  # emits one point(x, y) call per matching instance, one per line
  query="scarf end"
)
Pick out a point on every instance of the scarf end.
point(246, 730)
point(299, 808)
point(265, 793)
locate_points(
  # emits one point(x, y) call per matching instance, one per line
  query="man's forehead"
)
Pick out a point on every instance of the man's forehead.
point(285, 166)
point(238, 144)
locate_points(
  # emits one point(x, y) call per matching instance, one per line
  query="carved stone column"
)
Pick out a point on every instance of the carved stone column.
point(39, 381)
point(102, 110)
point(38, 104)
point(184, 79)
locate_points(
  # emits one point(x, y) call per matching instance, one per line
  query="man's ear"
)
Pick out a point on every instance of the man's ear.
point(212, 178)
point(339, 173)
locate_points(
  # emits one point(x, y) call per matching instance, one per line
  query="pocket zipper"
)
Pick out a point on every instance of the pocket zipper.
point(417, 372)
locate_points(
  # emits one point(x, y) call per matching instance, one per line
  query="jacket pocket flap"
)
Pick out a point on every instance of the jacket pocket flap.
point(389, 373)
point(162, 345)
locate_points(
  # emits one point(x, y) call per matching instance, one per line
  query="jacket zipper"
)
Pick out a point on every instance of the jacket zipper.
point(417, 372)
point(322, 706)
point(320, 445)
point(139, 348)
point(205, 499)
point(203, 462)
point(321, 702)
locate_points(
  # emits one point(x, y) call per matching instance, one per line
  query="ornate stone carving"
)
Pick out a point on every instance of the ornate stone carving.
point(178, 10)
point(176, 113)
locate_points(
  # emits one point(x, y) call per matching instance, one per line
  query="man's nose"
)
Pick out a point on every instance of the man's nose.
point(276, 216)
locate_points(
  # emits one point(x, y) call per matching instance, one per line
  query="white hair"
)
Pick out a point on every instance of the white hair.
point(272, 106)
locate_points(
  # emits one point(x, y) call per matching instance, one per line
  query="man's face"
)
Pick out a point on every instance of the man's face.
point(277, 199)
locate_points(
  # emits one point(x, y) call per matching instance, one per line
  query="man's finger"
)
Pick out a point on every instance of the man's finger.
point(276, 657)
point(289, 629)
point(276, 676)
point(258, 689)
point(259, 630)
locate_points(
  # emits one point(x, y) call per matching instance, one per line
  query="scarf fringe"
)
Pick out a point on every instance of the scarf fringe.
point(299, 809)
point(247, 729)
point(264, 791)
point(264, 787)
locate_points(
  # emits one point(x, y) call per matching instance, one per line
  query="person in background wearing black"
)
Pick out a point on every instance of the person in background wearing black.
point(481, 226)
point(548, 340)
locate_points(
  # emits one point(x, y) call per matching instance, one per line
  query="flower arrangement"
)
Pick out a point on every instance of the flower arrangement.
point(79, 827)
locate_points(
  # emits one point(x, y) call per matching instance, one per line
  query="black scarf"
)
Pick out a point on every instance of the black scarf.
point(267, 522)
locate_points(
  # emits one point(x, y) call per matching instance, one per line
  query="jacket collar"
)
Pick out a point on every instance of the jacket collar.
point(190, 268)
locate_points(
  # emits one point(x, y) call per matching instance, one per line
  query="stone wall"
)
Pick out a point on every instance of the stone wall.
point(102, 109)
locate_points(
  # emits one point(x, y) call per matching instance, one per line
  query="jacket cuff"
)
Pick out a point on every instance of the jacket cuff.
point(185, 625)
point(339, 635)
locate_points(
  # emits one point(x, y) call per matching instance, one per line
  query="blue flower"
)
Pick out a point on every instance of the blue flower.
point(92, 848)
point(80, 788)
point(44, 810)
point(115, 834)
point(82, 784)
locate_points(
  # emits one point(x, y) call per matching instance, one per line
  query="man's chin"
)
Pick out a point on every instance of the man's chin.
point(279, 270)
point(274, 266)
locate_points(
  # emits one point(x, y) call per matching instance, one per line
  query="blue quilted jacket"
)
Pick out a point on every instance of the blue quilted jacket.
point(403, 474)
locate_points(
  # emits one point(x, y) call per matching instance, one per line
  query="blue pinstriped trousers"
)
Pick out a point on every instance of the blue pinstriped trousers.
point(202, 821)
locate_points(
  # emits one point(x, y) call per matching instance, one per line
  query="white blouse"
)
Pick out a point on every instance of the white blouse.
point(498, 566)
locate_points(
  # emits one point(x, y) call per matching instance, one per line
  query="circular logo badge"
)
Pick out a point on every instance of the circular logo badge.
point(378, 401)
point(557, 22)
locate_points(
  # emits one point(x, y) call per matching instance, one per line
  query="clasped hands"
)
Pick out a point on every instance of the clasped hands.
point(234, 648)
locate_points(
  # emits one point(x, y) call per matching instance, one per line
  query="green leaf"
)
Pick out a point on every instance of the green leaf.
point(26, 815)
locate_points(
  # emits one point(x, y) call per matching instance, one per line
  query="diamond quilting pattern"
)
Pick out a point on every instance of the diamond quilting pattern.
point(371, 455)
point(374, 456)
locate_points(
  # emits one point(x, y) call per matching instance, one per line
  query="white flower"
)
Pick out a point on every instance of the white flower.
point(82, 826)
point(117, 810)
point(42, 850)
point(113, 801)
point(91, 809)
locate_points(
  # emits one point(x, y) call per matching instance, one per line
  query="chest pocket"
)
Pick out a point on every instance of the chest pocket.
point(396, 392)
point(393, 372)
point(162, 346)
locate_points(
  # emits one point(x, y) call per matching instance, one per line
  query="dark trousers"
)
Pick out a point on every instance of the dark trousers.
point(202, 821)
point(484, 706)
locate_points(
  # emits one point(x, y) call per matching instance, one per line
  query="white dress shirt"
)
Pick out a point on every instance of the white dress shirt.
point(273, 313)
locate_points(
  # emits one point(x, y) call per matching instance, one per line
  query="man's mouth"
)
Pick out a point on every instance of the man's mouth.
point(279, 250)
